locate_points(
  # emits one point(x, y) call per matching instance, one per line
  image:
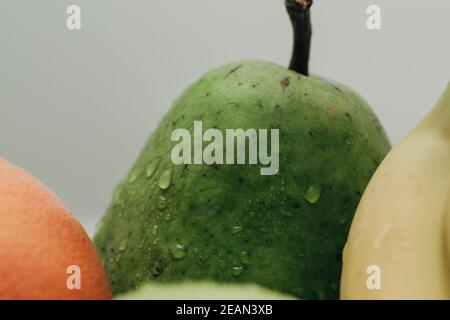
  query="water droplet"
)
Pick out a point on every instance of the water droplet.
point(155, 242)
point(221, 263)
point(166, 179)
point(236, 229)
point(155, 230)
point(167, 217)
point(134, 175)
point(178, 251)
point(161, 203)
point(151, 168)
point(237, 271)
point(123, 246)
point(312, 195)
point(245, 257)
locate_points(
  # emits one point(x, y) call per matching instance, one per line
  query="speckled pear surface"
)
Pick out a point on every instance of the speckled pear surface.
point(230, 224)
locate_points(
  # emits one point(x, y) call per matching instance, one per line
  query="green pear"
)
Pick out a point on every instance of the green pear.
point(281, 224)
point(202, 291)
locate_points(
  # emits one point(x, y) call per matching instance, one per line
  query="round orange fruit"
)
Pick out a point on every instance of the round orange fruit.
point(44, 251)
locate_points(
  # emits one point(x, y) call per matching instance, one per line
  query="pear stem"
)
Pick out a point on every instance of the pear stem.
point(299, 13)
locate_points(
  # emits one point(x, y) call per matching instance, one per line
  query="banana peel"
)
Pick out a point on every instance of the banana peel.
point(399, 242)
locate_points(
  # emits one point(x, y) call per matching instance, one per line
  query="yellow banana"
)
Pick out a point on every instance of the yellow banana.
point(399, 242)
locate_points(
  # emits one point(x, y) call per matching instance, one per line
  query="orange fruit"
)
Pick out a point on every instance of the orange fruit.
point(44, 251)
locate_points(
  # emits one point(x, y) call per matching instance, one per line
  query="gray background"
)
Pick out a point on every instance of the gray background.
point(77, 106)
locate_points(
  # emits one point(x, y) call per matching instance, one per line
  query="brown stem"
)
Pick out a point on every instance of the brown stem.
point(299, 13)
